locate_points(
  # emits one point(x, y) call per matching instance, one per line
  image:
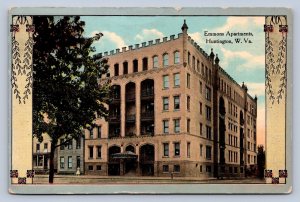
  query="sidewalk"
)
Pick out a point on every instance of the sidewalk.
point(92, 179)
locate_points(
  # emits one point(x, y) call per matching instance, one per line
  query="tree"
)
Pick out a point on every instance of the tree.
point(67, 93)
point(261, 161)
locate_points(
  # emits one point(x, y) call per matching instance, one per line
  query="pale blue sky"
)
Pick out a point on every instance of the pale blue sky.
point(243, 61)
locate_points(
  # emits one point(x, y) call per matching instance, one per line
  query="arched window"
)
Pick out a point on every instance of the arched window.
point(176, 57)
point(116, 66)
point(165, 60)
point(155, 61)
point(135, 65)
point(145, 64)
point(125, 67)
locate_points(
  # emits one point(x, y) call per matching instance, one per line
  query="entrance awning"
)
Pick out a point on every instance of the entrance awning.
point(124, 155)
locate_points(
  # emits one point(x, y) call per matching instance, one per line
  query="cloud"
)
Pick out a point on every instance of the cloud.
point(240, 23)
point(257, 89)
point(148, 34)
point(112, 37)
point(251, 60)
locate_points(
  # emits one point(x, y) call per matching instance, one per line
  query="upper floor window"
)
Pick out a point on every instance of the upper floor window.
point(145, 64)
point(188, 103)
point(125, 67)
point(189, 58)
point(176, 125)
point(176, 80)
point(165, 81)
point(165, 103)
point(155, 62)
point(176, 102)
point(188, 80)
point(165, 59)
point(166, 149)
point(208, 132)
point(116, 67)
point(193, 63)
point(135, 65)
point(208, 152)
point(176, 57)
point(208, 113)
point(176, 149)
point(166, 126)
point(208, 93)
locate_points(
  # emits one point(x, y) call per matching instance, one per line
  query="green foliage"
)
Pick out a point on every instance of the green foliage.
point(67, 94)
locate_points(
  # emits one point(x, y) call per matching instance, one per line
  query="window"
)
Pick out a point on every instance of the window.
point(188, 102)
point(38, 148)
point(91, 152)
point(135, 65)
point(165, 168)
point(198, 66)
point(62, 162)
point(78, 143)
point(165, 103)
point(125, 67)
point(208, 113)
point(254, 160)
point(235, 170)
point(145, 64)
point(98, 167)
point(165, 60)
point(91, 168)
point(176, 125)
point(70, 144)
point(200, 87)
point(200, 168)
point(45, 147)
point(188, 80)
point(193, 62)
point(201, 108)
point(176, 168)
point(176, 80)
point(248, 145)
point(62, 146)
point(155, 62)
point(69, 161)
point(176, 57)
point(99, 131)
point(166, 149)
point(166, 81)
point(91, 133)
point(77, 161)
point(208, 132)
point(98, 151)
point(116, 68)
point(201, 149)
point(177, 149)
point(188, 125)
point(166, 126)
point(176, 102)
point(248, 158)
point(188, 149)
point(189, 58)
point(208, 152)
point(208, 93)
point(201, 129)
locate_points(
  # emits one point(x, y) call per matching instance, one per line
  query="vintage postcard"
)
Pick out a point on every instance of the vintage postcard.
point(150, 100)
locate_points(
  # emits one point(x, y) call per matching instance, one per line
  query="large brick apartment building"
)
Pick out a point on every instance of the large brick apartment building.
point(173, 110)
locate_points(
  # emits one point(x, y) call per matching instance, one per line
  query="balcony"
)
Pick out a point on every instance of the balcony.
point(130, 134)
point(147, 116)
point(147, 133)
point(130, 118)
